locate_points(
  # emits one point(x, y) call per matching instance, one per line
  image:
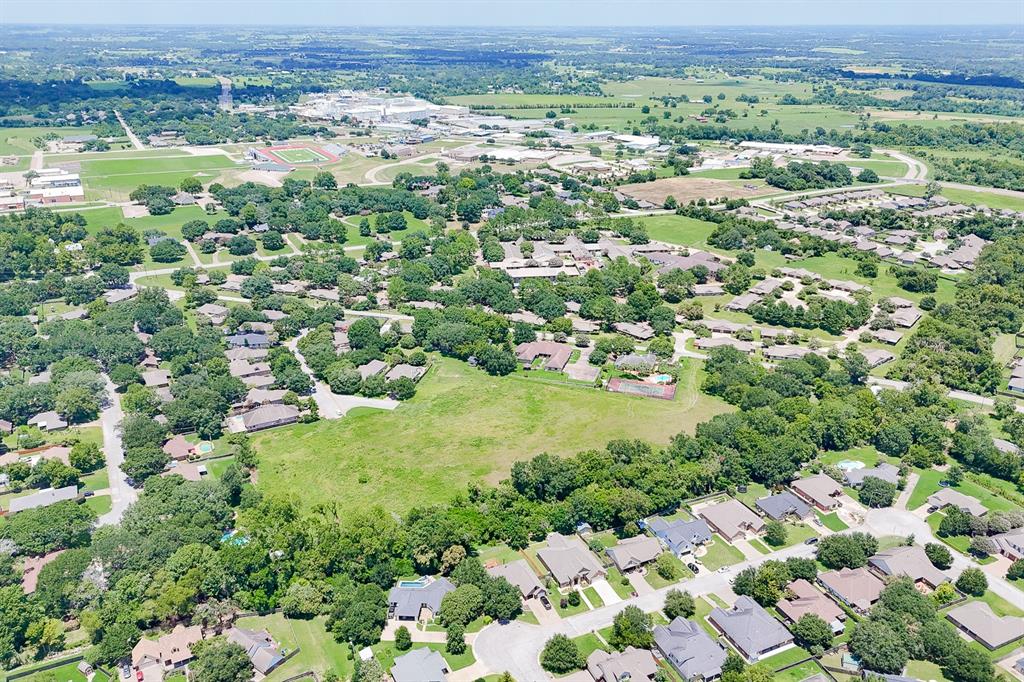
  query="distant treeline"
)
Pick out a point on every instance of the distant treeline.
point(990, 80)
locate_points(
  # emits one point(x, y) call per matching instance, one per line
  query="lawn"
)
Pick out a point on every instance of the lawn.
point(100, 504)
point(169, 223)
point(301, 155)
point(318, 650)
point(18, 141)
point(797, 673)
point(463, 425)
point(676, 229)
point(97, 480)
point(615, 580)
point(925, 670)
point(503, 554)
point(760, 546)
point(65, 673)
point(593, 597)
point(588, 644)
point(386, 653)
point(703, 609)
point(832, 521)
point(720, 553)
point(929, 484)
point(657, 582)
point(797, 533)
point(114, 179)
point(569, 610)
point(965, 196)
point(353, 238)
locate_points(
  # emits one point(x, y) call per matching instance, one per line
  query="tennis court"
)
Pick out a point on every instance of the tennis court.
point(642, 388)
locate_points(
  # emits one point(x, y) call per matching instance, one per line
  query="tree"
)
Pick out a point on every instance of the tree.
point(972, 581)
point(86, 456)
point(302, 600)
point(560, 655)
point(77, 404)
point(631, 627)
point(217, 660)
point(1016, 570)
point(939, 555)
point(462, 605)
point(455, 643)
point(970, 665)
point(775, 534)
point(875, 492)
point(167, 251)
point(679, 605)
point(501, 599)
point(191, 184)
point(369, 671)
point(846, 551)
point(812, 633)
point(666, 567)
point(867, 175)
point(324, 180)
point(878, 647)
point(142, 462)
point(403, 640)
point(983, 546)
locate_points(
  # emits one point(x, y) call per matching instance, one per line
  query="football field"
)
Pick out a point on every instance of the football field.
point(300, 155)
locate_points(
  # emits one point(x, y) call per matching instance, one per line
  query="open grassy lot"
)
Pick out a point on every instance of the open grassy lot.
point(18, 141)
point(114, 179)
point(677, 229)
point(720, 553)
point(928, 484)
point(318, 650)
point(463, 425)
point(64, 673)
point(169, 223)
point(413, 224)
point(964, 196)
point(832, 521)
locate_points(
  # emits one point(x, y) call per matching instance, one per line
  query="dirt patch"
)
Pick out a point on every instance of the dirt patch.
point(687, 188)
point(134, 211)
point(267, 178)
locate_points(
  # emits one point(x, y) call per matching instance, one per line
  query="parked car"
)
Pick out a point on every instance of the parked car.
point(693, 567)
point(811, 541)
point(932, 510)
point(723, 569)
point(88, 493)
point(545, 602)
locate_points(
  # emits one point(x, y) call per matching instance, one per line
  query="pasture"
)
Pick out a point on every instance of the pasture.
point(462, 426)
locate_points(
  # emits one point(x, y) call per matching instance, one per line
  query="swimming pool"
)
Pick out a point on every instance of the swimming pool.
point(850, 465)
point(412, 584)
point(205, 447)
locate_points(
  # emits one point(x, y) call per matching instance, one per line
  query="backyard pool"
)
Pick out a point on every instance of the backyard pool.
point(661, 378)
point(204, 448)
point(850, 465)
point(412, 584)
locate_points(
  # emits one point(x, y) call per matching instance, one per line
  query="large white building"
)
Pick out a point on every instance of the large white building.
point(374, 107)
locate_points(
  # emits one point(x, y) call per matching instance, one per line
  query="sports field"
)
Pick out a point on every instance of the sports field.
point(462, 426)
point(301, 155)
point(114, 179)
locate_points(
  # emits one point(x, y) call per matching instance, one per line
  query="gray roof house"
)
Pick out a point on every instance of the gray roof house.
point(569, 561)
point(48, 421)
point(420, 665)
point(679, 536)
point(1011, 544)
point(884, 470)
point(632, 553)
point(406, 602)
point(690, 650)
point(783, 505)
point(43, 498)
point(250, 340)
point(519, 574)
point(732, 519)
point(751, 629)
point(947, 497)
point(977, 619)
point(268, 416)
point(631, 665)
point(259, 647)
point(372, 368)
point(911, 562)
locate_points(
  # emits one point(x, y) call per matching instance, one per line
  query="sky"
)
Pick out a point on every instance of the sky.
point(512, 13)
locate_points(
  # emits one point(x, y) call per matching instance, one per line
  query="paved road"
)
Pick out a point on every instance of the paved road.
point(516, 646)
point(121, 494)
point(955, 394)
point(225, 100)
point(136, 142)
point(330, 404)
point(370, 177)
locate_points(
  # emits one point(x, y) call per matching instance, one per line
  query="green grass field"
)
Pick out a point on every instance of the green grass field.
point(928, 484)
point(114, 179)
point(462, 426)
point(720, 553)
point(680, 230)
point(318, 650)
point(18, 141)
point(964, 196)
point(386, 653)
point(301, 155)
point(64, 673)
point(832, 521)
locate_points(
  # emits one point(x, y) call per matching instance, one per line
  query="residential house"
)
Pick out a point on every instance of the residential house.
point(519, 574)
point(906, 317)
point(630, 665)
point(156, 378)
point(889, 336)
point(420, 665)
point(48, 421)
point(819, 490)
point(784, 505)
point(911, 562)
point(372, 368)
point(248, 340)
point(858, 588)
point(177, 448)
point(743, 302)
point(43, 498)
point(1011, 543)
point(802, 598)
point(259, 647)
point(268, 416)
point(638, 330)
point(719, 342)
point(418, 600)
point(977, 620)
point(405, 371)
point(679, 536)
point(884, 470)
point(947, 497)
point(690, 650)
point(569, 561)
point(732, 519)
point(785, 352)
point(876, 357)
point(632, 553)
point(213, 312)
point(751, 629)
point(153, 657)
point(557, 354)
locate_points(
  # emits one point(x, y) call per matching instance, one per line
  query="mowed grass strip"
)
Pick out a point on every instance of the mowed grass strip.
point(462, 426)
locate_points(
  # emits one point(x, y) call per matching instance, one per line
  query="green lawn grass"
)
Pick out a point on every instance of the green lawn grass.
point(64, 673)
point(569, 610)
point(99, 504)
point(114, 179)
point(463, 425)
point(386, 653)
point(832, 521)
point(798, 532)
point(18, 141)
point(964, 196)
point(318, 650)
point(680, 230)
point(720, 553)
point(760, 546)
point(615, 580)
point(657, 582)
point(593, 597)
point(588, 644)
point(928, 484)
point(503, 554)
point(702, 609)
point(925, 670)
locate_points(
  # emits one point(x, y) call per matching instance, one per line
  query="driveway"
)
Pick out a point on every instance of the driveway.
point(908, 490)
point(121, 494)
point(605, 591)
point(640, 585)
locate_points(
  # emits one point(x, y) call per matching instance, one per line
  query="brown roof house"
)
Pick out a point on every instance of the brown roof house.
point(259, 647)
point(732, 519)
point(557, 354)
point(947, 497)
point(820, 490)
point(519, 574)
point(910, 562)
point(977, 620)
point(803, 598)
point(858, 588)
point(569, 561)
point(154, 657)
point(632, 553)
point(177, 448)
point(631, 665)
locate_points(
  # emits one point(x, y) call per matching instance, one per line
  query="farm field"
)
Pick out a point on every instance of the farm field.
point(463, 425)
